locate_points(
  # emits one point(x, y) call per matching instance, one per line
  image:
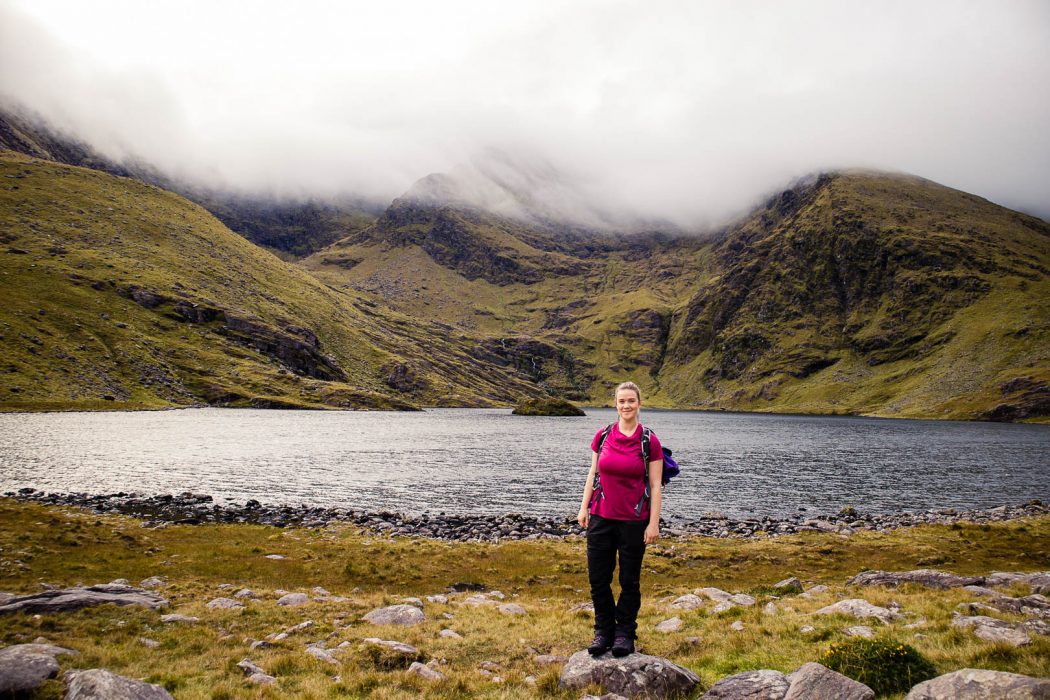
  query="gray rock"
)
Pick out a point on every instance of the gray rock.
point(992, 630)
point(24, 667)
point(860, 609)
point(294, 599)
point(450, 634)
point(750, 685)
point(549, 660)
point(687, 602)
point(981, 590)
point(396, 615)
point(1036, 627)
point(981, 684)
point(815, 591)
point(742, 599)
point(770, 608)
point(672, 625)
point(722, 606)
point(1034, 604)
point(813, 680)
point(174, 618)
point(319, 590)
point(149, 643)
point(413, 601)
point(1038, 581)
point(439, 598)
point(225, 604)
point(425, 672)
point(788, 586)
point(322, 655)
point(100, 684)
point(862, 631)
point(397, 647)
point(261, 679)
point(152, 582)
point(931, 578)
point(249, 667)
point(512, 609)
point(69, 599)
point(714, 593)
point(245, 593)
point(737, 626)
point(633, 675)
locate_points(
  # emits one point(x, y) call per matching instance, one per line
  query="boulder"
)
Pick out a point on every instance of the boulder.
point(396, 615)
point(68, 599)
point(931, 578)
point(671, 625)
point(687, 602)
point(176, 618)
point(1034, 604)
point(815, 591)
point(99, 684)
point(716, 594)
point(450, 634)
point(813, 680)
point(860, 609)
point(750, 685)
point(395, 647)
point(788, 586)
point(742, 599)
point(636, 675)
point(224, 604)
point(981, 684)
point(293, 599)
point(1038, 581)
point(24, 667)
point(860, 631)
point(992, 630)
point(425, 672)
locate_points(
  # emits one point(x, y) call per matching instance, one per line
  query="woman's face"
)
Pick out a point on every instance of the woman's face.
point(627, 404)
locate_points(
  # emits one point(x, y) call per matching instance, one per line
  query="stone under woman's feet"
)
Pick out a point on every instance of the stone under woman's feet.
point(623, 646)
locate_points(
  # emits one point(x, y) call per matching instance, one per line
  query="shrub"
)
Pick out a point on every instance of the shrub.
point(883, 665)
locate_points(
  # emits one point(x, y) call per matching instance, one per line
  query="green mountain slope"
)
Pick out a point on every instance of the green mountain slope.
point(876, 294)
point(117, 293)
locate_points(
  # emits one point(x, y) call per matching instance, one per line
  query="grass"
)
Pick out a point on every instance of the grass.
point(63, 546)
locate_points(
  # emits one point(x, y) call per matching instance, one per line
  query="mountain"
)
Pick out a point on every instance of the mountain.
point(288, 226)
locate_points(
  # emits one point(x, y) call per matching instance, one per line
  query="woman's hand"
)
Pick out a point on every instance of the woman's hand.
point(583, 517)
point(652, 533)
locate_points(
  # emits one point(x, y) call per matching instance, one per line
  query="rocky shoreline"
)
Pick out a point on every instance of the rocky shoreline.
point(196, 509)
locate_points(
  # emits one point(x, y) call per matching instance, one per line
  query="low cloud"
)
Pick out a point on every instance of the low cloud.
point(685, 111)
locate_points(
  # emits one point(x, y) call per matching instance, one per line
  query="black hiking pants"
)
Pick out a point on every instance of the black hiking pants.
point(607, 539)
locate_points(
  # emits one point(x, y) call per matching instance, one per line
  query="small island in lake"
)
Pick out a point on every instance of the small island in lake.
point(547, 406)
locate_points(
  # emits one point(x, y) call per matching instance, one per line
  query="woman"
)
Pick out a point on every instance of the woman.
point(621, 516)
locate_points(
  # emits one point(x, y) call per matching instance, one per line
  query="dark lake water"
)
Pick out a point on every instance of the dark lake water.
point(488, 461)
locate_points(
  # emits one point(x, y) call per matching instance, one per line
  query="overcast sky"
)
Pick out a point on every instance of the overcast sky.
point(689, 110)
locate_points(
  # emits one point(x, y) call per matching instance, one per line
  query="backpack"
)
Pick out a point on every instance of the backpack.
point(671, 468)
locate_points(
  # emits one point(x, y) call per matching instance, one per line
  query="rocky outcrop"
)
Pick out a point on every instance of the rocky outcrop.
point(930, 578)
point(547, 407)
point(981, 684)
point(811, 681)
point(82, 597)
point(25, 667)
point(636, 675)
point(994, 630)
point(764, 684)
point(99, 684)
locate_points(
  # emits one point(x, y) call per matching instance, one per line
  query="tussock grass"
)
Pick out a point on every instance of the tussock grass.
point(64, 546)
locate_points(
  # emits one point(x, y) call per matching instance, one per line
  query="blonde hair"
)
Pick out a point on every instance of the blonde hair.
point(629, 386)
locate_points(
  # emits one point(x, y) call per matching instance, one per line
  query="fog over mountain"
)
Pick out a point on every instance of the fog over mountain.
point(596, 111)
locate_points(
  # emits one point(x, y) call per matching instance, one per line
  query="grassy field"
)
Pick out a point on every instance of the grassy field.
point(63, 546)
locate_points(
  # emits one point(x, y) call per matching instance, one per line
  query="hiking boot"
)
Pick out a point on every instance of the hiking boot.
point(622, 646)
point(600, 645)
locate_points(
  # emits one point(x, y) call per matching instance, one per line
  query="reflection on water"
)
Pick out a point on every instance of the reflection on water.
point(469, 460)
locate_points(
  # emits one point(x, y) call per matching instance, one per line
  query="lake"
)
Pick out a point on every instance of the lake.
point(488, 461)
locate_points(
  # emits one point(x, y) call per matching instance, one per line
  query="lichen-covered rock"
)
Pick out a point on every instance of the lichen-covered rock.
point(636, 675)
point(765, 684)
point(396, 615)
point(813, 680)
point(931, 578)
point(24, 667)
point(68, 599)
point(860, 609)
point(981, 684)
point(100, 684)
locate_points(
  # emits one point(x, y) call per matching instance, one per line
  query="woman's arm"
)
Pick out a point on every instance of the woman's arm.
point(656, 497)
point(584, 516)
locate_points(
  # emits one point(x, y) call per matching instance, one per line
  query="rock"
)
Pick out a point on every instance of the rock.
point(318, 590)
point(322, 655)
point(547, 406)
point(512, 609)
point(992, 630)
point(439, 598)
point(931, 578)
point(180, 619)
point(862, 631)
point(737, 626)
point(1036, 627)
point(631, 676)
point(806, 629)
point(245, 593)
point(750, 685)
point(399, 647)
point(1038, 581)
point(396, 615)
point(301, 627)
point(687, 602)
point(479, 599)
point(742, 599)
point(981, 590)
point(672, 625)
point(69, 599)
point(549, 660)
point(152, 582)
point(225, 604)
point(981, 684)
point(583, 607)
point(413, 601)
point(276, 557)
point(716, 594)
point(149, 643)
point(249, 667)
point(860, 609)
point(261, 679)
point(25, 667)
point(813, 680)
point(815, 591)
point(722, 606)
point(100, 684)
point(788, 586)
point(450, 634)
point(425, 672)
point(770, 608)
point(1030, 604)
point(294, 599)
